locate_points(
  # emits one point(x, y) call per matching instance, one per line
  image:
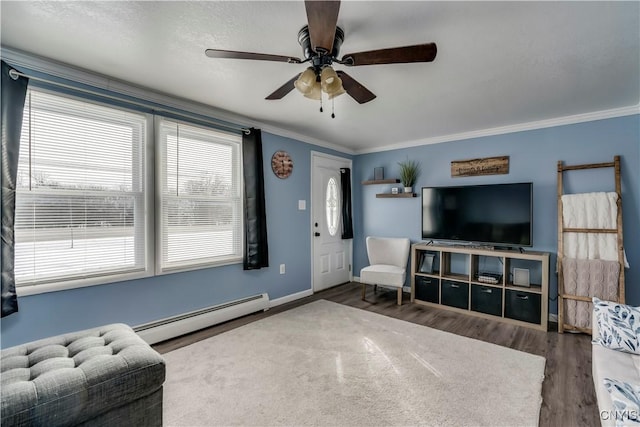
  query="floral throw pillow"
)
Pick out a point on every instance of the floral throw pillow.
point(618, 326)
point(626, 402)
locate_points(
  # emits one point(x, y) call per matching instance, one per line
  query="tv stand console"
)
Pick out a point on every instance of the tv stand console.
point(505, 285)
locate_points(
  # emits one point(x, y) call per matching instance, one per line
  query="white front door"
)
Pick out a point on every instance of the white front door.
point(331, 254)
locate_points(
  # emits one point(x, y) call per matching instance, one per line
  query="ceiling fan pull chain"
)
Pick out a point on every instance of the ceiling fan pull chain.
point(321, 103)
point(333, 107)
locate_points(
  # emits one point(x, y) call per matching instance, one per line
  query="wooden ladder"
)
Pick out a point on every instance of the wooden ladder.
point(562, 230)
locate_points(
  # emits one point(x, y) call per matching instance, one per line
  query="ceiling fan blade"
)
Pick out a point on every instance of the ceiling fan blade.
point(284, 89)
point(358, 92)
point(232, 54)
point(395, 55)
point(322, 17)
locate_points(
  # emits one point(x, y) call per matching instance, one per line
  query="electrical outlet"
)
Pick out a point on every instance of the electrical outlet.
point(282, 269)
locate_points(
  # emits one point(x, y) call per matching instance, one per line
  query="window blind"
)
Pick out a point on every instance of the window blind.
point(201, 196)
point(80, 206)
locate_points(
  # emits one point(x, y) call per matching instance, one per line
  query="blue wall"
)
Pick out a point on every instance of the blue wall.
point(139, 301)
point(533, 158)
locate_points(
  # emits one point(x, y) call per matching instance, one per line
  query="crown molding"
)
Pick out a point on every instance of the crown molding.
point(541, 124)
point(305, 138)
point(77, 75)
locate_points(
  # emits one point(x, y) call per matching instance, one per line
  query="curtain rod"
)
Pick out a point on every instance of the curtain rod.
point(14, 74)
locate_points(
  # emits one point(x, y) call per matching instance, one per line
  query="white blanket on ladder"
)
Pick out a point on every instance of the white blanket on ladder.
point(591, 210)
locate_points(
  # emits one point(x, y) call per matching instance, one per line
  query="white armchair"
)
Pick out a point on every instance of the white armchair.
point(388, 263)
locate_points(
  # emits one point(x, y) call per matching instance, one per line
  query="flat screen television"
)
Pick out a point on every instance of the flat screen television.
point(495, 214)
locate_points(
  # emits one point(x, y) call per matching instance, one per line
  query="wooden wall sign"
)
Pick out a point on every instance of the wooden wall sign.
point(486, 166)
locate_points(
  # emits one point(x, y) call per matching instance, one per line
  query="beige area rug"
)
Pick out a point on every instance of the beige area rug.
point(326, 364)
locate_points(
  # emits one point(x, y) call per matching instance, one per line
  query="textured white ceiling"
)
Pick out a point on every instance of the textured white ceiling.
point(499, 64)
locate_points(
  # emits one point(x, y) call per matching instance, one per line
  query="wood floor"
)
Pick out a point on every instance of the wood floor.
point(567, 391)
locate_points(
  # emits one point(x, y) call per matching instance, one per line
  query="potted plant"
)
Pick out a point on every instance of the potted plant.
point(409, 172)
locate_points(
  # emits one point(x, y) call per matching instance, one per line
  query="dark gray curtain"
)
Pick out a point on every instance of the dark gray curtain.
point(347, 220)
point(13, 96)
point(256, 250)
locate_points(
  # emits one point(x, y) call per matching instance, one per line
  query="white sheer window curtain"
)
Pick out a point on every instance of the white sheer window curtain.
point(80, 205)
point(200, 216)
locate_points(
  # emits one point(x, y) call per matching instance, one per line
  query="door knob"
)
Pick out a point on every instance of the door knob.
point(316, 234)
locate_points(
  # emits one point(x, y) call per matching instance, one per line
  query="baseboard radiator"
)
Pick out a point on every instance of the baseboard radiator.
point(175, 326)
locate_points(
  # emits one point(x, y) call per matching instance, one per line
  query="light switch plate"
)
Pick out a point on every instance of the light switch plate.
point(302, 205)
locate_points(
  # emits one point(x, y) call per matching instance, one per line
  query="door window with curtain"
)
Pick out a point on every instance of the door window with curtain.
point(80, 198)
point(200, 218)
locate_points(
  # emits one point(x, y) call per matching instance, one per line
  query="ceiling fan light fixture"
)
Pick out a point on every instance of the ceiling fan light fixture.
point(334, 89)
point(328, 76)
point(331, 83)
point(315, 92)
point(321, 40)
point(337, 93)
point(306, 81)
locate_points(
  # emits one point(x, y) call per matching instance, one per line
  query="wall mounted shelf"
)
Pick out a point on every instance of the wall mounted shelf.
point(393, 196)
point(389, 195)
point(380, 181)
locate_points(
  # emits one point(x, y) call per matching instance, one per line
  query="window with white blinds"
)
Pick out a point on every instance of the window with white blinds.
point(80, 199)
point(201, 197)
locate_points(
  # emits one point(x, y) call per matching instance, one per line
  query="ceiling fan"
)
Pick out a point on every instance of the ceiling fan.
point(321, 40)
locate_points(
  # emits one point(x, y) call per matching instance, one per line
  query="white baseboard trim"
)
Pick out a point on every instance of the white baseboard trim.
point(553, 317)
point(288, 298)
point(356, 279)
point(175, 326)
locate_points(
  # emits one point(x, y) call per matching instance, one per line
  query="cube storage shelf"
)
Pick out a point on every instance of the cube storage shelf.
point(479, 281)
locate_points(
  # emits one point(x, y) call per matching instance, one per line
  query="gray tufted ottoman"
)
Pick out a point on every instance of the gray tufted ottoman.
point(106, 376)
